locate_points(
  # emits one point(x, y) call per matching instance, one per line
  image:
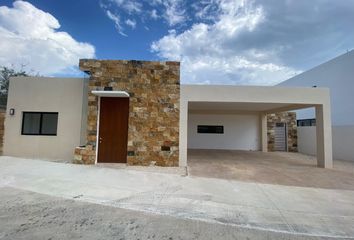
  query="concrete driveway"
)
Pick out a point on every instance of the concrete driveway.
point(28, 215)
point(307, 211)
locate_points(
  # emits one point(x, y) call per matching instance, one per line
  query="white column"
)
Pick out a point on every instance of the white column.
point(263, 128)
point(183, 136)
point(324, 136)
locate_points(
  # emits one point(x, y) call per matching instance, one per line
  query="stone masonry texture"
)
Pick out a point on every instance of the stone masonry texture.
point(284, 117)
point(154, 89)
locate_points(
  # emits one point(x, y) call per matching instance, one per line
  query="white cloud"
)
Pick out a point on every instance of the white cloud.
point(206, 9)
point(131, 6)
point(116, 19)
point(206, 58)
point(233, 70)
point(171, 11)
point(131, 23)
point(30, 36)
point(174, 12)
point(154, 14)
point(257, 42)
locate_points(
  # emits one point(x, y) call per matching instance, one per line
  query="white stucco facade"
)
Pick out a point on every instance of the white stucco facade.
point(241, 110)
point(241, 131)
point(39, 94)
point(337, 75)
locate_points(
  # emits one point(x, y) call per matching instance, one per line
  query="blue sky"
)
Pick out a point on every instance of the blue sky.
point(258, 42)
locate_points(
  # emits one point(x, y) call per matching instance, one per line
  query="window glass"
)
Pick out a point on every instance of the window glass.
point(39, 123)
point(306, 122)
point(210, 129)
point(49, 123)
point(31, 123)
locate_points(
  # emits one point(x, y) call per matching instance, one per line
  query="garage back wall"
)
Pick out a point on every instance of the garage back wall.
point(241, 132)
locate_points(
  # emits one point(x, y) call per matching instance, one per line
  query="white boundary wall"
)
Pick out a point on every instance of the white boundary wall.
point(306, 140)
point(241, 132)
point(343, 139)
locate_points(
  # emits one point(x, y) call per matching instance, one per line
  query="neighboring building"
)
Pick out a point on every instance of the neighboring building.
point(337, 75)
point(136, 112)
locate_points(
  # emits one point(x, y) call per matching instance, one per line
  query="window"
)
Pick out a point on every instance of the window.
point(306, 122)
point(210, 129)
point(39, 123)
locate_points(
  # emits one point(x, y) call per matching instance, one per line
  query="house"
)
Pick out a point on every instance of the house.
point(136, 112)
point(337, 75)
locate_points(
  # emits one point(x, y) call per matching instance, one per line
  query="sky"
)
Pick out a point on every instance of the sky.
point(244, 42)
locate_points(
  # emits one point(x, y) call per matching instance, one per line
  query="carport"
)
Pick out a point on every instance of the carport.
point(245, 108)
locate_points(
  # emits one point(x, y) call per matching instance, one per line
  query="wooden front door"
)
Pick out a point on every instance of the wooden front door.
point(113, 130)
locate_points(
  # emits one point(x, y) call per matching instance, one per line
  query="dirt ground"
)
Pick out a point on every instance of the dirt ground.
point(28, 215)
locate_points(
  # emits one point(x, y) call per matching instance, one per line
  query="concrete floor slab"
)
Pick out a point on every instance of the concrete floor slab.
point(292, 169)
point(302, 200)
point(270, 207)
point(316, 224)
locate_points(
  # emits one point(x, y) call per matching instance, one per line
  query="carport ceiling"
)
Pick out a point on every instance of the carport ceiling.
point(240, 106)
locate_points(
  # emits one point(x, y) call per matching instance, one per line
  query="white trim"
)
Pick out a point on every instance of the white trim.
point(98, 128)
point(110, 93)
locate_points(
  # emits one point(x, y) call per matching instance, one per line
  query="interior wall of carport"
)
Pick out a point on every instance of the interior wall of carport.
point(241, 130)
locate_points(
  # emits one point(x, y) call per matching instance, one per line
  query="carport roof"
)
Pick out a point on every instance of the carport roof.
point(244, 106)
point(251, 98)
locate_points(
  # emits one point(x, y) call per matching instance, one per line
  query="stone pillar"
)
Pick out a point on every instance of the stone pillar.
point(289, 118)
point(183, 133)
point(264, 129)
point(324, 136)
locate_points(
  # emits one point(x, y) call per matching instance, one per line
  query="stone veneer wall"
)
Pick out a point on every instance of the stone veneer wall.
point(154, 89)
point(284, 117)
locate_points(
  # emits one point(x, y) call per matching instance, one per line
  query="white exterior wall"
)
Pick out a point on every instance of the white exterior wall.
point(343, 139)
point(62, 95)
point(241, 132)
point(306, 140)
point(338, 75)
